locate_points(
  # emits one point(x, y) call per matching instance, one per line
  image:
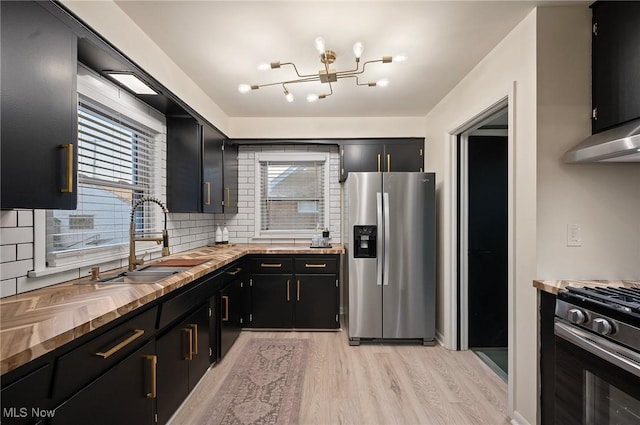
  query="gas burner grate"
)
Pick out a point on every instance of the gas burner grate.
point(625, 299)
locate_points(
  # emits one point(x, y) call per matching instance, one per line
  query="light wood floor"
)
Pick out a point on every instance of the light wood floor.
point(377, 384)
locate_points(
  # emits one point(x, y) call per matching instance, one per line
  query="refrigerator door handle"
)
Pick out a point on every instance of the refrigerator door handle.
point(386, 239)
point(379, 239)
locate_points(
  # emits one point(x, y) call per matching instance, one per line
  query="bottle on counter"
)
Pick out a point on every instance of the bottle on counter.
point(225, 234)
point(218, 235)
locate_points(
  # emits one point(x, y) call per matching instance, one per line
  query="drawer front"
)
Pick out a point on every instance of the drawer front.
point(181, 304)
point(80, 366)
point(275, 265)
point(314, 265)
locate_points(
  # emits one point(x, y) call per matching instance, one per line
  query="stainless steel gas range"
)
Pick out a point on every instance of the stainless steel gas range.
point(597, 338)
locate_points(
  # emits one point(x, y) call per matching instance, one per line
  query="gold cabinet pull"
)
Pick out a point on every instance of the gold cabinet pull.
point(69, 187)
point(227, 192)
point(194, 347)
point(315, 266)
point(298, 291)
point(378, 162)
point(225, 298)
point(288, 298)
point(388, 162)
point(189, 333)
point(267, 265)
point(137, 333)
point(153, 362)
point(208, 184)
point(233, 273)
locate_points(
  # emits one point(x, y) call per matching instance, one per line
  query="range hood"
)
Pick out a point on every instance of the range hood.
point(619, 144)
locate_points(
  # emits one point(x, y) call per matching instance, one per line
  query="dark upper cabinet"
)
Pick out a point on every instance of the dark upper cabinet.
point(39, 109)
point(201, 175)
point(212, 170)
point(381, 155)
point(615, 63)
point(184, 155)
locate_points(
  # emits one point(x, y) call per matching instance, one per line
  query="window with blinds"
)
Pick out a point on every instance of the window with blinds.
point(116, 159)
point(293, 194)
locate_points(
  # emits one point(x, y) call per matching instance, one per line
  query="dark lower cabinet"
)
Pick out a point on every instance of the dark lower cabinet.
point(316, 303)
point(231, 313)
point(271, 301)
point(183, 357)
point(123, 395)
point(20, 398)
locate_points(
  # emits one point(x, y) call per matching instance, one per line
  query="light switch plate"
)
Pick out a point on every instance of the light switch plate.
point(574, 234)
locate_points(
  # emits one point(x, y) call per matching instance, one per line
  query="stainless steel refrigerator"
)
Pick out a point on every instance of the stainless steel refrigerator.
point(391, 245)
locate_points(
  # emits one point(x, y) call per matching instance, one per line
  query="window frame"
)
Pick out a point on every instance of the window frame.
point(261, 157)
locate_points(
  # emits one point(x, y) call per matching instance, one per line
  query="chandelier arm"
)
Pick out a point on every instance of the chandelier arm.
point(304, 80)
point(343, 74)
point(296, 69)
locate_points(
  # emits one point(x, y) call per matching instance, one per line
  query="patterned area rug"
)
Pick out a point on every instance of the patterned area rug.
point(264, 386)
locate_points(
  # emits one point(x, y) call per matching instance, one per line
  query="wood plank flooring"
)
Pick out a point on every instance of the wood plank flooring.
point(377, 384)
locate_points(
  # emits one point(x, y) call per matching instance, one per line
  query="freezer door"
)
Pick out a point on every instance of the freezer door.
point(364, 193)
point(409, 249)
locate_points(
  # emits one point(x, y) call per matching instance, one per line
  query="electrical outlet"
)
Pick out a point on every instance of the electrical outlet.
point(574, 235)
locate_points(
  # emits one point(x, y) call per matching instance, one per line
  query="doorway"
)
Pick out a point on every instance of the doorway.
point(483, 241)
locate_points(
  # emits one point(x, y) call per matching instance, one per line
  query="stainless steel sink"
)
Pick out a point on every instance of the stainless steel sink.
point(148, 274)
point(160, 269)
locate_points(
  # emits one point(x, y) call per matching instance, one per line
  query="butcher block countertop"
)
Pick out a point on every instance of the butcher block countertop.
point(37, 322)
point(553, 286)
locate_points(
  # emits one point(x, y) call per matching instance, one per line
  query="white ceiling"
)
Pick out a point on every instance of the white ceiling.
point(220, 43)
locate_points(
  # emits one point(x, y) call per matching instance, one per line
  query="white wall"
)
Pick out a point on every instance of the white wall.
point(108, 20)
point(604, 199)
point(511, 64)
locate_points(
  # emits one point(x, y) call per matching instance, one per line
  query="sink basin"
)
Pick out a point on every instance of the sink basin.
point(145, 275)
point(160, 269)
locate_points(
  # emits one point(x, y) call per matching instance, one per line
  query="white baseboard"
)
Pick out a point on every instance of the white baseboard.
point(518, 419)
point(440, 338)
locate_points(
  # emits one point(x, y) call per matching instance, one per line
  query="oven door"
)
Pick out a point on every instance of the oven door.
point(597, 381)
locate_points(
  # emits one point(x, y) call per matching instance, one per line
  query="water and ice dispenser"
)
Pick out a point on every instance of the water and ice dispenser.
point(365, 241)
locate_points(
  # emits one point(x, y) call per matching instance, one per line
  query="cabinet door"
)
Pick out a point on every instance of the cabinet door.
point(615, 63)
point(184, 155)
point(212, 184)
point(123, 395)
point(230, 315)
point(403, 157)
point(272, 300)
point(200, 362)
point(39, 104)
point(173, 350)
point(361, 158)
point(316, 301)
point(27, 393)
point(230, 164)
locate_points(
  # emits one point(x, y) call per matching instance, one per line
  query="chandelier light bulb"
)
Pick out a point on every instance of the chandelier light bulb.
point(244, 88)
point(399, 58)
point(264, 66)
point(319, 43)
point(312, 98)
point(382, 83)
point(358, 48)
point(288, 95)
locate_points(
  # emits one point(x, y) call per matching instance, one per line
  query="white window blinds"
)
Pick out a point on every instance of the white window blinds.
point(116, 160)
point(292, 195)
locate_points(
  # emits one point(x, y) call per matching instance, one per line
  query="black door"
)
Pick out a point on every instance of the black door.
point(107, 401)
point(39, 109)
point(402, 157)
point(184, 155)
point(487, 239)
point(272, 300)
point(212, 170)
point(173, 370)
point(316, 301)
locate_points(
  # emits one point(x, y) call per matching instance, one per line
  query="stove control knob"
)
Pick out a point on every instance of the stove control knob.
point(576, 316)
point(602, 326)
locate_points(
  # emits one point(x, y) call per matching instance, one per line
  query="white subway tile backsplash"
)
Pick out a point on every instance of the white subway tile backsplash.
point(8, 253)
point(8, 287)
point(9, 218)
point(25, 251)
point(16, 268)
point(25, 218)
point(14, 235)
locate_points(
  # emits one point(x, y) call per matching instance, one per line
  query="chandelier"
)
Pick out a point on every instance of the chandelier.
point(326, 75)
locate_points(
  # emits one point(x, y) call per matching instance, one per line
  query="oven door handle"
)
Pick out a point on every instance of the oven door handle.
point(600, 347)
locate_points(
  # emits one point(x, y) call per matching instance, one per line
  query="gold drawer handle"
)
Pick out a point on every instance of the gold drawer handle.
point(194, 347)
point(378, 162)
point(154, 364)
point(208, 184)
point(276, 266)
point(189, 333)
point(288, 298)
point(228, 197)
point(69, 187)
point(238, 270)
point(388, 163)
point(316, 266)
point(137, 333)
point(225, 298)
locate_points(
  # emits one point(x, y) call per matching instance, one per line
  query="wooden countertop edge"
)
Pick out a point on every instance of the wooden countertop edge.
point(12, 357)
point(553, 286)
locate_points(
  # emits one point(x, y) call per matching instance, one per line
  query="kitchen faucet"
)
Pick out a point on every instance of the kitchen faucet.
point(133, 261)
